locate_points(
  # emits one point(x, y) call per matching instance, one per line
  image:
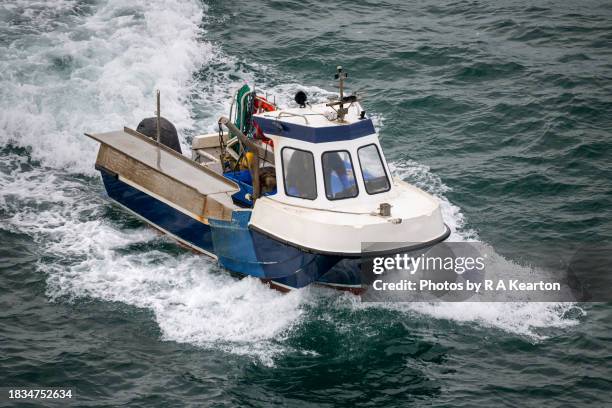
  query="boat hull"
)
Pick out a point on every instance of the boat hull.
point(237, 247)
point(232, 243)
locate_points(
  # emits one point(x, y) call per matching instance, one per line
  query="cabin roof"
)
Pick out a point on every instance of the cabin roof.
point(312, 124)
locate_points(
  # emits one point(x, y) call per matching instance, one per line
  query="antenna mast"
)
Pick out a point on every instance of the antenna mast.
point(341, 110)
point(341, 76)
point(158, 114)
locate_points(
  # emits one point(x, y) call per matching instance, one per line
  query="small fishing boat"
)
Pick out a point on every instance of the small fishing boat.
point(293, 196)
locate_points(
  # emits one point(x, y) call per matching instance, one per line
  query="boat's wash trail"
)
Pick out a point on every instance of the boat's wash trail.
point(100, 65)
point(70, 67)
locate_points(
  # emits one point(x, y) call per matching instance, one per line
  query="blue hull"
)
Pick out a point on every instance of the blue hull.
point(238, 248)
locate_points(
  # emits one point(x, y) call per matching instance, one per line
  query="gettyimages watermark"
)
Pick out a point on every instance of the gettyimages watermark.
point(474, 272)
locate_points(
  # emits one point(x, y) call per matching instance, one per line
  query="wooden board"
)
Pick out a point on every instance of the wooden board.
point(166, 174)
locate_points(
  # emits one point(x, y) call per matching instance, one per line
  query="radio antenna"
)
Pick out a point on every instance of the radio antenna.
point(341, 76)
point(158, 114)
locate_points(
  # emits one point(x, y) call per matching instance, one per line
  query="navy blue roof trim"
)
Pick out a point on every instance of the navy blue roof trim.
point(316, 134)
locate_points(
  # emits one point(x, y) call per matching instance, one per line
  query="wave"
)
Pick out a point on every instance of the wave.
point(95, 72)
point(528, 319)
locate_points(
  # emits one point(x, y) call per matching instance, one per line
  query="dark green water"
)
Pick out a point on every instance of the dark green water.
point(501, 109)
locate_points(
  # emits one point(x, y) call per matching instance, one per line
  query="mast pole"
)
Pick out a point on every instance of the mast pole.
point(158, 117)
point(341, 76)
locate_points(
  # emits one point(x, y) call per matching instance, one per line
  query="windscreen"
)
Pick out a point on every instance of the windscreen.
point(372, 169)
point(299, 173)
point(338, 175)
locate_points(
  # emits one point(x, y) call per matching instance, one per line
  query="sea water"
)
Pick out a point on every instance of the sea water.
point(500, 110)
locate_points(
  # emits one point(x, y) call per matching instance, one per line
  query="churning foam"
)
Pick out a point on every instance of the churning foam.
point(516, 317)
point(87, 254)
point(93, 70)
point(192, 301)
point(97, 69)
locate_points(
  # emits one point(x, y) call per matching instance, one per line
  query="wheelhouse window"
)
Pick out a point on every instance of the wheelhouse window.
point(299, 173)
point(372, 169)
point(338, 175)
